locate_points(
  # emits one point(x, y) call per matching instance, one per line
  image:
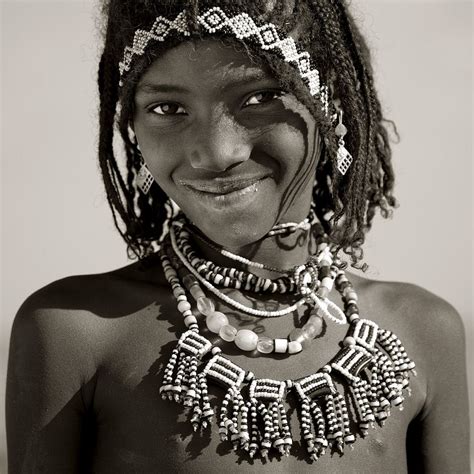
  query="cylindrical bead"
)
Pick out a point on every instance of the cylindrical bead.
point(205, 306)
point(189, 281)
point(281, 345)
point(196, 292)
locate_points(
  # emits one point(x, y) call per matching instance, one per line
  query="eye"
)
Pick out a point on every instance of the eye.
point(264, 97)
point(168, 108)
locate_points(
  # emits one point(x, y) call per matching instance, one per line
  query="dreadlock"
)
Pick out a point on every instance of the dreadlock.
point(346, 205)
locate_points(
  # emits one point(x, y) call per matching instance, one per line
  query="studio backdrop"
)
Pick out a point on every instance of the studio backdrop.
point(55, 218)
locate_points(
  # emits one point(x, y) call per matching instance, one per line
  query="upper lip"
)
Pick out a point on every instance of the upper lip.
point(220, 185)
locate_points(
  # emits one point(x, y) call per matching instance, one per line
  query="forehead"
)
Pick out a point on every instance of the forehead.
point(207, 62)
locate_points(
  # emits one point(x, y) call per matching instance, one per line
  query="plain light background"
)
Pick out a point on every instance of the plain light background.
point(55, 219)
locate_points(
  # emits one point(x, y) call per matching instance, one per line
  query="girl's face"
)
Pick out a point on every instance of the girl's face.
point(225, 142)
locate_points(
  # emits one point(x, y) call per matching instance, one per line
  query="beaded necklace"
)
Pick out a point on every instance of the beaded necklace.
point(372, 362)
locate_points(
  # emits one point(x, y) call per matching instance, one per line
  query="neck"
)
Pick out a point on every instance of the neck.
point(281, 251)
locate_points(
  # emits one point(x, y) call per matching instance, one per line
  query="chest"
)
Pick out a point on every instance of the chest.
point(137, 431)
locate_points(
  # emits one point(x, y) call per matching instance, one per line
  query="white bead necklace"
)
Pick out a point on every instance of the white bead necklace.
point(245, 339)
point(308, 295)
point(372, 363)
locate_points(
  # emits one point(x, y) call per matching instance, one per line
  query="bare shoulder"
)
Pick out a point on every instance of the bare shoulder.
point(429, 327)
point(412, 308)
point(73, 315)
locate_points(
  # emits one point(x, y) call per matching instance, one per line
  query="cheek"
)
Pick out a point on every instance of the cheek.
point(288, 146)
point(160, 155)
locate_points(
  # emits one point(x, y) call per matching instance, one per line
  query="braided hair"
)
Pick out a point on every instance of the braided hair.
point(345, 205)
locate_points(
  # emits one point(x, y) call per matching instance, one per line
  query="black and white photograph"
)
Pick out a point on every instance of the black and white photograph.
point(236, 236)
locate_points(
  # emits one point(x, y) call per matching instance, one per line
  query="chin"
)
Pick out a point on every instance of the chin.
point(235, 232)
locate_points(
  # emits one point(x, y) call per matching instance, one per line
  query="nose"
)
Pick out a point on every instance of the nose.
point(218, 142)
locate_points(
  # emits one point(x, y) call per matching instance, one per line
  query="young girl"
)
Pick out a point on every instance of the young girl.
point(256, 157)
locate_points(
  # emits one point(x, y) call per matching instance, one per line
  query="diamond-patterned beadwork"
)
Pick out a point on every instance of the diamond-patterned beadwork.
point(159, 31)
point(242, 26)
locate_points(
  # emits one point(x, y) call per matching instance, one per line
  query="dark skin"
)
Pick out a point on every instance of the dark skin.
point(87, 352)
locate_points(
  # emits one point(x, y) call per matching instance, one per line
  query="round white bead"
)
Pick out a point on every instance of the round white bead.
point(227, 332)
point(196, 292)
point(183, 306)
point(294, 347)
point(246, 340)
point(265, 345)
point(281, 345)
point(349, 341)
point(215, 321)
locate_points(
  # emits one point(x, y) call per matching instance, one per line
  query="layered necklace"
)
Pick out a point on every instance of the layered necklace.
point(372, 368)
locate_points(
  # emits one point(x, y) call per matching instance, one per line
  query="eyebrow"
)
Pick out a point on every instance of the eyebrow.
point(151, 88)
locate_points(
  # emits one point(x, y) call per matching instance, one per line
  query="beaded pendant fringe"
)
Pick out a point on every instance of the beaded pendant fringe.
point(373, 364)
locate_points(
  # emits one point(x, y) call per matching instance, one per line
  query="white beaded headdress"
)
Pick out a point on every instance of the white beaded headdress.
point(213, 21)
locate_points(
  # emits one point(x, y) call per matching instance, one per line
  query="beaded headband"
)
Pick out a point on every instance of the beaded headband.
point(214, 21)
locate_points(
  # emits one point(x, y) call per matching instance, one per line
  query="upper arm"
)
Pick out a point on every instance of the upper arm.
point(49, 369)
point(440, 434)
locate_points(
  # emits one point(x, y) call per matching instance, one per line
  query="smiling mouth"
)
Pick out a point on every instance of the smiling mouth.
point(221, 194)
point(221, 187)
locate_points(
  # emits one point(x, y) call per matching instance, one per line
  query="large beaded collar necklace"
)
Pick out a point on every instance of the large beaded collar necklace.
point(372, 366)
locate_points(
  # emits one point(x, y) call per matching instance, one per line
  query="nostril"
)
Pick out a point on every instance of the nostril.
point(233, 165)
point(219, 157)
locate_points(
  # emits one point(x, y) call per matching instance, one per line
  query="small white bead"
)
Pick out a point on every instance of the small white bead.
point(188, 320)
point(281, 345)
point(183, 306)
point(294, 347)
point(349, 341)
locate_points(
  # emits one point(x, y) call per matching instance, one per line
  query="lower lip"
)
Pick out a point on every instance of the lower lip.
point(240, 197)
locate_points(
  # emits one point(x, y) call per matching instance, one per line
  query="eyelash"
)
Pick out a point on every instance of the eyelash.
point(277, 94)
